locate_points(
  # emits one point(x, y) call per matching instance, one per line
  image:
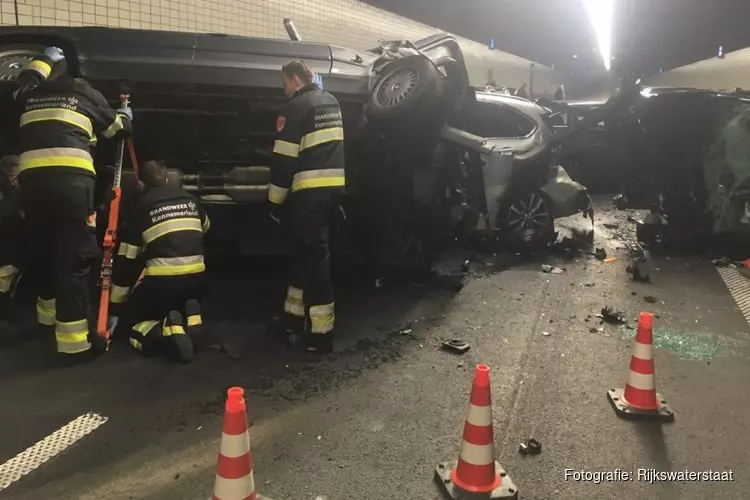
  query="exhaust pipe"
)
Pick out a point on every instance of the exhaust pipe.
point(291, 30)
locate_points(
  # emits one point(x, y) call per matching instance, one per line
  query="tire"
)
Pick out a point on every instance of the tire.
point(15, 57)
point(528, 218)
point(408, 88)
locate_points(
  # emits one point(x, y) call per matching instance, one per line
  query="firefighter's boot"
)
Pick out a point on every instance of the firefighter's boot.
point(194, 323)
point(175, 336)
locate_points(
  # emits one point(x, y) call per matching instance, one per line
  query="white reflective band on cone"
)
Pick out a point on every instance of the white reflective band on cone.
point(234, 446)
point(640, 381)
point(234, 489)
point(643, 351)
point(479, 415)
point(477, 454)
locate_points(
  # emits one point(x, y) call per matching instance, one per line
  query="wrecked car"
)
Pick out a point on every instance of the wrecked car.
point(429, 158)
point(687, 158)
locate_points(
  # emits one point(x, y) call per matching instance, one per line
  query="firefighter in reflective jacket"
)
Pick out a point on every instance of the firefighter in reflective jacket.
point(11, 234)
point(162, 237)
point(59, 119)
point(307, 178)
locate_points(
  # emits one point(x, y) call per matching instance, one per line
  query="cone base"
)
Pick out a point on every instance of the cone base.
point(664, 413)
point(506, 491)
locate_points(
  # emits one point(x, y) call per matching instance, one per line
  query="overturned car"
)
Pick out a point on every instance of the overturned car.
point(429, 159)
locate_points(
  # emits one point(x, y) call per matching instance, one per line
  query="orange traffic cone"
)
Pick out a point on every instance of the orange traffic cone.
point(234, 470)
point(476, 473)
point(639, 399)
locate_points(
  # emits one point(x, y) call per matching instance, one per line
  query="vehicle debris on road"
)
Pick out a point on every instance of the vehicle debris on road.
point(552, 269)
point(650, 299)
point(613, 316)
point(458, 346)
point(600, 254)
point(530, 447)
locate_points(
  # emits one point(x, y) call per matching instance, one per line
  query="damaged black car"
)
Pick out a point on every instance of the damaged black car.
point(430, 160)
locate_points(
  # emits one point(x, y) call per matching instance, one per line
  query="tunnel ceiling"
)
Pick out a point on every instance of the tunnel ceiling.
point(649, 34)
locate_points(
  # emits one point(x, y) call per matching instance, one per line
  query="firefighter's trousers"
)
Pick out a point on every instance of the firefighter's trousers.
point(62, 246)
point(309, 303)
point(143, 321)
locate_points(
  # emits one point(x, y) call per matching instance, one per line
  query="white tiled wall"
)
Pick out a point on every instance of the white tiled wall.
point(342, 22)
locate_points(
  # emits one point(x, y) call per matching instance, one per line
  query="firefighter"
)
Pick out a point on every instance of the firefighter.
point(307, 178)
point(11, 234)
point(59, 118)
point(161, 236)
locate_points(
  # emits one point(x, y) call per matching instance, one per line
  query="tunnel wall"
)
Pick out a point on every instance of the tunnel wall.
point(349, 23)
point(733, 71)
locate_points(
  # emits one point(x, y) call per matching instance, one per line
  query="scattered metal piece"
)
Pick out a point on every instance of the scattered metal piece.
point(631, 218)
point(589, 284)
point(405, 331)
point(611, 315)
point(552, 269)
point(640, 264)
point(650, 299)
point(456, 345)
point(546, 334)
point(530, 447)
point(610, 260)
point(600, 254)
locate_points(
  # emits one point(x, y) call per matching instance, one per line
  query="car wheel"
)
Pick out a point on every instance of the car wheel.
point(528, 218)
point(15, 58)
point(409, 87)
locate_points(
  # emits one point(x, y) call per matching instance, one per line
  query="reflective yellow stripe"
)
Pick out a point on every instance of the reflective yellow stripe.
point(59, 114)
point(115, 127)
point(145, 326)
point(175, 266)
point(171, 226)
point(277, 194)
point(286, 148)
point(321, 137)
point(194, 320)
point(7, 274)
point(56, 157)
point(294, 304)
point(322, 318)
point(72, 336)
point(135, 343)
point(45, 311)
point(40, 67)
point(119, 294)
point(326, 177)
point(169, 330)
point(206, 224)
point(129, 251)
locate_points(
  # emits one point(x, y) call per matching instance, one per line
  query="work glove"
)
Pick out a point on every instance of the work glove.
point(275, 212)
point(54, 54)
point(126, 111)
point(112, 323)
point(318, 80)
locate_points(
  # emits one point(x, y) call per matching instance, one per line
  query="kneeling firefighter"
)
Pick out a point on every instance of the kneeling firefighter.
point(307, 179)
point(161, 236)
point(12, 249)
point(59, 119)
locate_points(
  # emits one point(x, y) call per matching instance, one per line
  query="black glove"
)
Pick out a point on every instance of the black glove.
point(275, 212)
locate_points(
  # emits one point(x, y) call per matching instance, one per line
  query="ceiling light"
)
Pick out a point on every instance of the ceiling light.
point(600, 14)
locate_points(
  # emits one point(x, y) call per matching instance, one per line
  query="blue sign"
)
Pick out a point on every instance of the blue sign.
point(492, 44)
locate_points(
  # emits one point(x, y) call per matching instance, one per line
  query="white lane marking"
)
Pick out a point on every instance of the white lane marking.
point(739, 287)
point(35, 456)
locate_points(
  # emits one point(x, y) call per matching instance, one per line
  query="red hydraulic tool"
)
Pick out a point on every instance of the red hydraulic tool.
point(110, 237)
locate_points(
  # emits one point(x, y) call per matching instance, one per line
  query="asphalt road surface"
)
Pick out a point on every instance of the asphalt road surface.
point(373, 419)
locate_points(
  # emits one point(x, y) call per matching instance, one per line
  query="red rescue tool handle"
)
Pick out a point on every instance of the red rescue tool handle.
point(110, 236)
